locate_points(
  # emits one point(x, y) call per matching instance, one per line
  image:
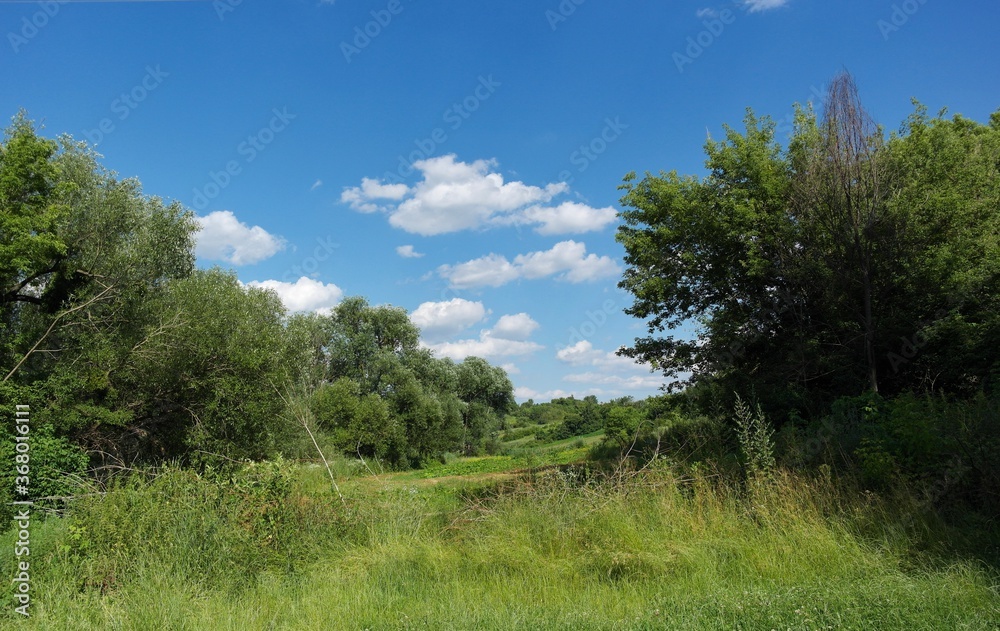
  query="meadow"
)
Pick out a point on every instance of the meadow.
point(547, 540)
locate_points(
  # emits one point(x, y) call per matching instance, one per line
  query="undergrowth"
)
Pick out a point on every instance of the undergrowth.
point(270, 546)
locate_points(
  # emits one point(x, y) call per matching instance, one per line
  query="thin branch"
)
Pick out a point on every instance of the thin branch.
point(305, 424)
point(53, 326)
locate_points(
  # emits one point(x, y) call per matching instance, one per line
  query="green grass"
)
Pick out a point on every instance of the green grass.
point(548, 551)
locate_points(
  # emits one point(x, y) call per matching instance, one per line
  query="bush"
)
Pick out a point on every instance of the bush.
point(220, 529)
point(56, 469)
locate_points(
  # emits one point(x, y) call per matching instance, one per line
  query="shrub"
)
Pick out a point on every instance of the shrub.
point(56, 469)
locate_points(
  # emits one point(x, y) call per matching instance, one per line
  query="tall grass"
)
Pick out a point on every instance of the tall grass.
point(272, 548)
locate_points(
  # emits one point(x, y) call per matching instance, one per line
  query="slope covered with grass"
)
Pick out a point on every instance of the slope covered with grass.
point(558, 548)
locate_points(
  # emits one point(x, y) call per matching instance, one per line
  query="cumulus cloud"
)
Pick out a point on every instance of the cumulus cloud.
point(438, 320)
point(223, 237)
point(617, 382)
point(454, 195)
point(519, 326)
point(407, 252)
point(569, 217)
point(508, 337)
point(362, 198)
point(566, 261)
point(491, 270)
point(583, 353)
point(305, 294)
point(524, 392)
point(487, 346)
point(606, 368)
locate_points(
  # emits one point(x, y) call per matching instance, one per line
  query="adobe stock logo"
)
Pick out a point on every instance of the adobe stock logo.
point(901, 14)
point(249, 149)
point(30, 27)
point(126, 103)
point(594, 321)
point(700, 42)
point(587, 153)
point(565, 9)
point(363, 35)
point(455, 116)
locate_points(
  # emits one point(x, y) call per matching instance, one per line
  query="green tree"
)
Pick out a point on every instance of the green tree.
point(29, 212)
point(83, 257)
point(365, 342)
point(358, 424)
point(488, 395)
point(807, 268)
point(622, 425)
point(207, 379)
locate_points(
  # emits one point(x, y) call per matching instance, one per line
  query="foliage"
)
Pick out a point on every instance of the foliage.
point(622, 426)
point(755, 439)
point(805, 293)
point(433, 405)
point(214, 369)
point(266, 547)
point(134, 355)
point(57, 469)
point(359, 424)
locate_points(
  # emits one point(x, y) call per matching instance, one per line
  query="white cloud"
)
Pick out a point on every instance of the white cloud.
point(519, 326)
point(618, 382)
point(566, 260)
point(569, 217)
point(508, 337)
point(438, 320)
point(455, 196)
point(316, 185)
point(407, 252)
point(523, 392)
point(583, 353)
point(486, 346)
point(491, 270)
point(607, 369)
point(511, 369)
point(360, 197)
point(763, 5)
point(305, 294)
point(570, 257)
point(223, 237)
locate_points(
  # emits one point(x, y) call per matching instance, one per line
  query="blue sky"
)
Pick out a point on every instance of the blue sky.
point(460, 159)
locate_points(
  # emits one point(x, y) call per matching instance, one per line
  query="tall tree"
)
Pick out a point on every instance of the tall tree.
point(844, 262)
point(840, 192)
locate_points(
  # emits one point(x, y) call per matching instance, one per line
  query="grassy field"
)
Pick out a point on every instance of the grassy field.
point(499, 543)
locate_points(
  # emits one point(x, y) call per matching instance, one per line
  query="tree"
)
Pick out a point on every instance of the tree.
point(365, 343)
point(358, 424)
point(840, 264)
point(29, 212)
point(622, 425)
point(712, 251)
point(83, 256)
point(123, 347)
point(488, 395)
point(841, 186)
point(206, 380)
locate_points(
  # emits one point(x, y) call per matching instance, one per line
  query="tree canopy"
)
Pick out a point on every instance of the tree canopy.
point(124, 350)
point(848, 261)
